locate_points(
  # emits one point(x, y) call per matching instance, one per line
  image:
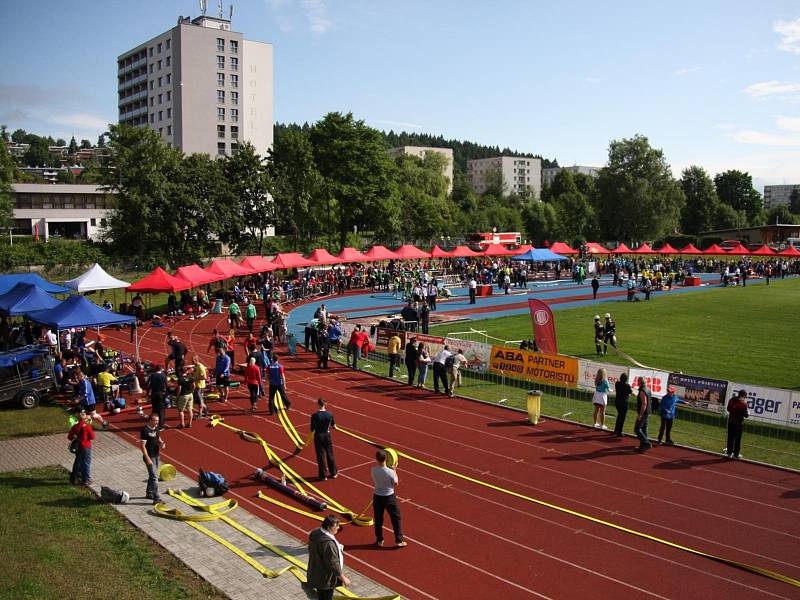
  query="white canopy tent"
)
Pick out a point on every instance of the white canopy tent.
point(95, 279)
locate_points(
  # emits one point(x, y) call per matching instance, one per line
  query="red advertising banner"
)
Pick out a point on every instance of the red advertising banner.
point(544, 326)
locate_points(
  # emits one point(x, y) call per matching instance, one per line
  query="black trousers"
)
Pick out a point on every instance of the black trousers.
point(158, 406)
point(666, 426)
point(622, 412)
point(471, 296)
point(394, 361)
point(440, 374)
point(323, 446)
point(274, 389)
point(735, 438)
point(412, 371)
point(388, 504)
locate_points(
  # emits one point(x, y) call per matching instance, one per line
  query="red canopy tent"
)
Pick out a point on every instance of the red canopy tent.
point(791, 251)
point(227, 269)
point(464, 251)
point(437, 252)
point(714, 249)
point(621, 249)
point(348, 255)
point(498, 250)
point(195, 275)
point(379, 253)
point(291, 260)
point(643, 249)
point(667, 249)
point(562, 248)
point(409, 251)
point(763, 251)
point(257, 264)
point(594, 248)
point(690, 249)
point(159, 281)
point(323, 257)
point(523, 249)
point(739, 250)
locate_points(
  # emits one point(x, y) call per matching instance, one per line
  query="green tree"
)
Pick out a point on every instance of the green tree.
point(61, 142)
point(85, 144)
point(735, 188)
point(780, 214)
point(8, 171)
point(700, 211)
point(637, 197)
point(253, 211)
point(541, 222)
point(728, 217)
point(18, 137)
point(66, 176)
point(38, 155)
point(575, 216)
point(4, 136)
point(794, 201)
point(73, 145)
point(357, 170)
point(101, 140)
point(424, 209)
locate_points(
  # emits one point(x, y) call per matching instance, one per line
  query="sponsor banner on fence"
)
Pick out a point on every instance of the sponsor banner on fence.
point(765, 404)
point(587, 369)
point(656, 381)
point(700, 392)
point(535, 366)
point(794, 410)
point(433, 343)
point(384, 333)
point(476, 353)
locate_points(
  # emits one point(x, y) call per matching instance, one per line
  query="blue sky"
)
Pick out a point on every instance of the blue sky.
point(712, 83)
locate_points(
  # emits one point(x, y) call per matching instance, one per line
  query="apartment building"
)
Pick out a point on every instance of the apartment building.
point(519, 173)
point(421, 151)
point(549, 174)
point(201, 86)
point(777, 195)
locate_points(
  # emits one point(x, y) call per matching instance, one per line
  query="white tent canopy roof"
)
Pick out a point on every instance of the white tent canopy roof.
point(95, 279)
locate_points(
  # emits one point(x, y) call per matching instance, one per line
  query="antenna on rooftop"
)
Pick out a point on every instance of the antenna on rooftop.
point(203, 6)
point(230, 12)
point(219, 8)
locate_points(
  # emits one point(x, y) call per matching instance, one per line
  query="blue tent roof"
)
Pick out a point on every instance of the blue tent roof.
point(24, 298)
point(9, 359)
point(9, 281)
point(539, 254)
point(77, 311)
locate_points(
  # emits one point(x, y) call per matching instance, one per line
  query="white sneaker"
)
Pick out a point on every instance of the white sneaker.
point(605, 427)
point(597, 425)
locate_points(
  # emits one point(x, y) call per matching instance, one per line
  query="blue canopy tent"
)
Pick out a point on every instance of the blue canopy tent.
point(539, 255)
point(77, 311)
point(9, 281)
point(24, 298)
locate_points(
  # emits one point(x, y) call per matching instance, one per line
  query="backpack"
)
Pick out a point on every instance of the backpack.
point(211, 484)
point(113, 496)
point(450, 361)
point(220, 342)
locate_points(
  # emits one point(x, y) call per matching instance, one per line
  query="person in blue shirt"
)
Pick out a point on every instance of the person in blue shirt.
point(86, 399)
point(667, 412)
point(222, 369)
point(600, 398)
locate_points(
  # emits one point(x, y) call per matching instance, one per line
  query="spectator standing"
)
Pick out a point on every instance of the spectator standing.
point(354, 347)
point(184, 390)
point(623, 392)
point(600, 398)
point(595, 287)
point(737, 413)
point(667, 408)
point(234, 314)
point(322, 425)
point(152, 444)
point(326, 559)
point(252, 377)
point(643, 410)
point(453, 372)
point(439, 372)
point(250, 315)
point(393, 349)
point(86, 398)
point(222, 370)
point(473, 289)
point(423, 362)
point(384, 499)
point(412, 355)
point(82, 466)
point(200, 375)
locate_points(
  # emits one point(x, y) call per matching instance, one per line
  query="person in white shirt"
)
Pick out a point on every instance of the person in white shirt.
point(453, 374)
point(439, 373)
point(51, 339)
point(384, 499)
point(326, 559)
point(473, 288)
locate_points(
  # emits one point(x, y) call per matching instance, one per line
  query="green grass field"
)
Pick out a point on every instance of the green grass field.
point(59, 541)
point(750, 335)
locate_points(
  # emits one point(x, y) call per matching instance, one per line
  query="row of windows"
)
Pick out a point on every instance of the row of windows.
point(161, 115)
point(234, 114)
point(221, 63)
point(161, 63)
point(221, 46)
point(234, 132)
point(234, 97)
point(161, 98)
point(22, 200)
point(221, 148)
point(161, 81)
point(161, 130)
point(159, 47)
point(234, 79)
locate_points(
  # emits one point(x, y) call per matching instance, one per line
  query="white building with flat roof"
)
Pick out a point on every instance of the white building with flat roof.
point(421, 151)
point(779, 195)
point(519, 173)
point(549, 174)
point(201, 86)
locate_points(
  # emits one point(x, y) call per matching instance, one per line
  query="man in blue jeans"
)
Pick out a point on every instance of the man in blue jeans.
point(643, 410)
point(152, 444)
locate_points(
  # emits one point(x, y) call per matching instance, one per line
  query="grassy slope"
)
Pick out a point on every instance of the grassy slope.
point(747, 334)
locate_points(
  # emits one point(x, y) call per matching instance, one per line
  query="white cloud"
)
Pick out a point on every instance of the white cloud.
point(404, 124)
point(83, 121)
point(681, 72)
point(790, 32)
point(760, 138)
point(788, 123)
point(764, 89)
point(317, 15)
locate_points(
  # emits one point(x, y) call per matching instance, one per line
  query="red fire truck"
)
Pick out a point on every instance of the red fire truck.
point(485, 239)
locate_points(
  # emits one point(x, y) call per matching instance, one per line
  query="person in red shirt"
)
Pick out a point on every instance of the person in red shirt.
point(250, 344)
point(252, 377)
point(84, 434)
point(354, 347)
point(737, 413)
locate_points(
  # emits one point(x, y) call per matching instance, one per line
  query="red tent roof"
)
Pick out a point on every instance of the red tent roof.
point(498, 250)
point(379, 253)
point(349, 255)
point(713, 249)
point(562, 248)
point(227, 269)
point(643, 249)
point(523, 249)
point(621, 249)
point(409, 251)
point(323, 257)
point(159, 281)
point(291, 260)
point(667, 249)
point(690, 249)
point(463, 251)
point(437, 252)
point(739, 250)
point(195, 275)
point(763, 251)
point(257, 264)
point(593, 248)
point(790, 251)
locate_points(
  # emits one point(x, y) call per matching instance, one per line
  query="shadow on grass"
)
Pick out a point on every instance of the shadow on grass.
point(27, 483)
point(81, 501)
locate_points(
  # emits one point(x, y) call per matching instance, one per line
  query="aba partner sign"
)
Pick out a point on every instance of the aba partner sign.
point(535, 366)
point(765, 404)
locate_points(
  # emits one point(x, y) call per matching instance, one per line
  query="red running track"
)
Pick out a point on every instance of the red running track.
point(473, 542)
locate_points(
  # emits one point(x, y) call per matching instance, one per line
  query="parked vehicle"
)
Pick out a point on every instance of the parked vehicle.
point(26, 375)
